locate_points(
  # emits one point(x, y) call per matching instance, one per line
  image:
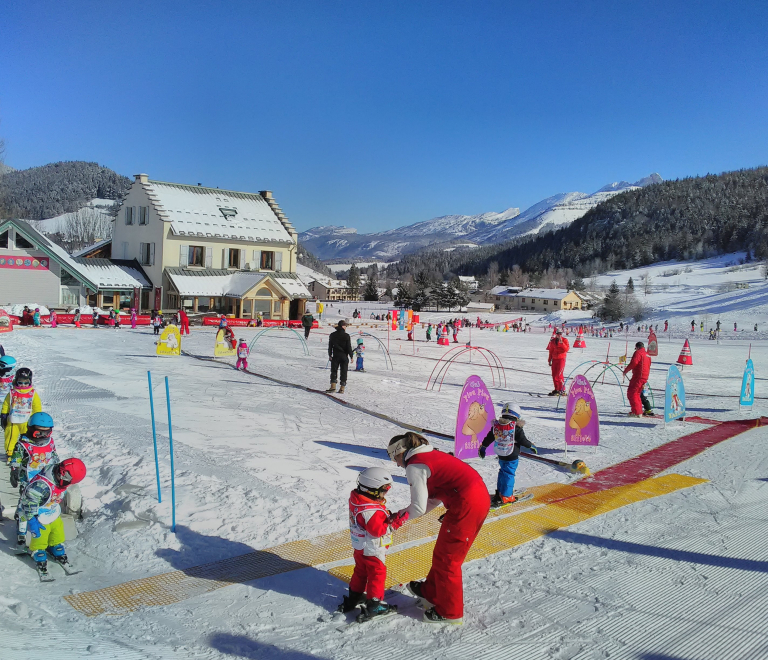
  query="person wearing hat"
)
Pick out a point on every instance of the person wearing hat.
point(640, 366)
point(340, 354)
point(558, 347)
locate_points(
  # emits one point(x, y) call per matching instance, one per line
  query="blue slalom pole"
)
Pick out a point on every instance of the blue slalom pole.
point(170, 439)
point(154, 435)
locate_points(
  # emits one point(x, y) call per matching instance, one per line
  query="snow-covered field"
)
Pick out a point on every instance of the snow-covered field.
point(259, 464)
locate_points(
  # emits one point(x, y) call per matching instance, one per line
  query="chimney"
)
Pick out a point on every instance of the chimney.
point(266, 194)
point(142, 178)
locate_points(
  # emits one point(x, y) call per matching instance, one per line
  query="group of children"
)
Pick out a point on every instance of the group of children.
point(36, 469)
point(371, 524)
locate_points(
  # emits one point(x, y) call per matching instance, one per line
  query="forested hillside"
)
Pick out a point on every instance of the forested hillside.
point(306, 258)
point(684, 219)
point(44, 192)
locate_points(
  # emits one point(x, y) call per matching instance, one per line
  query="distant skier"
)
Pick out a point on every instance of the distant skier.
point(134, 319)
point(242, 355)
point(76, 319)
point(36, 317)
point(95, 318)
point(53, 319)
point(640, 366)
point(734, 327)
point(693, 326)
point(307, 321)
point(39, 508)
point(429, 332)
point(20, 403)
point(370, 526)
point(558, 347)
point(701, 326)
point(507, 432)
point(755, 327)
point(360, 353)
point(157, 323)
point(183, 322)
point(666, 325)
point(717, 326)
point(223, 322)
point(340, 354)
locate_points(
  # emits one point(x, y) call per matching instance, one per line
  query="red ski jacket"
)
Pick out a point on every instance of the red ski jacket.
point(452, 481)
point(639, 365)
point(558, 349)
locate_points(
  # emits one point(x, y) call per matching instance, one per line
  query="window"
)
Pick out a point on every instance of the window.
point(143, 215)
point(22, 242)
point(4, 240)
point(234, 258)
point(147, 254)
point(522, 299)
point(267, 260)
point(546, 302)
point(196, 256)
point(129, 215)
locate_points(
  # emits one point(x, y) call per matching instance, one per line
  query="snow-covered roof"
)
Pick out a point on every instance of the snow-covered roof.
point(92, 248)
point(118, 274)
point(467, 278)
point(547, 294)
point(210, 212)
point(504, 290)
point(219, 283)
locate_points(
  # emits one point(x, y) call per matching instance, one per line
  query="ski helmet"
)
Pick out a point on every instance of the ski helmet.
point(511, 409)
point(374, 481)
point(70, 471)
point(23, 377)
point(7, 364)
point(359, 341)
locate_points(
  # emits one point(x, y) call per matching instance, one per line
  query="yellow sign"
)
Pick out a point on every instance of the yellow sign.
point(226, 344)
point(170, 341)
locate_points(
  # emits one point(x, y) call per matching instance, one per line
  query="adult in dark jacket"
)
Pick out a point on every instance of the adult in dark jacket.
point(307, 320)
point(340, 354)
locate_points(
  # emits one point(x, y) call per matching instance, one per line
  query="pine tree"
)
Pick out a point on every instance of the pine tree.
point(578, 284)
point(630, 286)
point(371, 291)
point(353, 281)
point(422, 295)
point(612, 309)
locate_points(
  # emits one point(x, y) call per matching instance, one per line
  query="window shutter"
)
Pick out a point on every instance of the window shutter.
point(225, 258)
point(134, 214)
point(125, 249)
point(257, 258)
point(208, 257)
point(278, 261)
point(151, 254)
point(143, 254)
point(128, 215)
point(184, 256)
point(242, 259)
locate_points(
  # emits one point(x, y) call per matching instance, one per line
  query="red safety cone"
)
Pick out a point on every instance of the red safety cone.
point(685, 357)
point(580, 343)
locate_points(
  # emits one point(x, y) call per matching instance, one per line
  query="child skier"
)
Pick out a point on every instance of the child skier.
point(429, 332)
point(370, 526)
point(39, 509)
point(76, 318)
point(20, 403)
point(507, 432)
point(34, 450)
point(157, 323)
point(242, 355)
point(360, 352)
point(7, 370)
point(36, 317)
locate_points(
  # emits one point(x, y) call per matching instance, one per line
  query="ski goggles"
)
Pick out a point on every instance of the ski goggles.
point(399, 447)
point(23, 382)
point(65, 478)
point(40, 433)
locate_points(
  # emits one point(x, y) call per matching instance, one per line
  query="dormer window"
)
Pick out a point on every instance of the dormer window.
point(228, 212)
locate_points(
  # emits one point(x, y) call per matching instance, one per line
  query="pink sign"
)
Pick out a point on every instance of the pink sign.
point(582, 425)
point(474, 419)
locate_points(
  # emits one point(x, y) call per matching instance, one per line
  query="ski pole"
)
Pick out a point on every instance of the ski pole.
point(170, 440)
point(154, 435)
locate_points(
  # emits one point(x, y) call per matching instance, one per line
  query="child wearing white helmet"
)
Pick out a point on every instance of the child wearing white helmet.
point(507, 432)
point(371, 526)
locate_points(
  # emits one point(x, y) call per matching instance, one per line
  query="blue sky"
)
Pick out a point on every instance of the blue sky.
point(380, 114)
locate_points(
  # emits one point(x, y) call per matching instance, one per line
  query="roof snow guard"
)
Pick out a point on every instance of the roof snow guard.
point(214, 213)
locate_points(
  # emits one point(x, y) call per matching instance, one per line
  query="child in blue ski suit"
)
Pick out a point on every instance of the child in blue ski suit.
point(507, 432)
point(360, 352)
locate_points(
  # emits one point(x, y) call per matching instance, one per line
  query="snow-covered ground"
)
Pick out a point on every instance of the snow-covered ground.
point(259, 464)
point(59, 222)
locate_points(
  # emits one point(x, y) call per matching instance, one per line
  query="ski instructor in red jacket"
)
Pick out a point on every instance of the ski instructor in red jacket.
point(439, 478)
point(558, 346)
point(640, 366)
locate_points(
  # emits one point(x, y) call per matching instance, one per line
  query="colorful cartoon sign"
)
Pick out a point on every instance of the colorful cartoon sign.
point(170, 341)
point(653, 344)
point(674, 400)
point(747, 397)
point(226, 344)
point(23, 263)
point(394, 319)
point(5, 322)
point(474, 419)
point(582, 423)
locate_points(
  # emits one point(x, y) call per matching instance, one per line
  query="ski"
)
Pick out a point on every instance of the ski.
point(42, 570)
point(578, 466)
point(67, 567)
point(520, 498)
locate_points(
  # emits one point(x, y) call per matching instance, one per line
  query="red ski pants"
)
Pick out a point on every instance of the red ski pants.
point(633, 394)
point(369, 576)
point(558, 367)
point(184, 327)
point(444, 587)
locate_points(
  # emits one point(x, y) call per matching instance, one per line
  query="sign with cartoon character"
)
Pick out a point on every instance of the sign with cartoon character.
point(170, 341)
point(653, 344)
point(474, 419)
point(582, 423)
point(394, 319)
point(674, 400)
point(5, 322)
point(747, 397)
point(226, 344)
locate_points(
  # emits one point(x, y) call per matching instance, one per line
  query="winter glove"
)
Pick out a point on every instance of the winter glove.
point(397, 520)
point(481, 451)
point(35, 527)
point(533, 450)
point(3, 420)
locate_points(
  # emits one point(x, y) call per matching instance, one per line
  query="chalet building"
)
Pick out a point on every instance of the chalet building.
point(206, 249)
point(331, 290)
point(35, 270)
point(547, 300)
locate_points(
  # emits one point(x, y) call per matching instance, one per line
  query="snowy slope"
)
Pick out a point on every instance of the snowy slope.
point(57, 223)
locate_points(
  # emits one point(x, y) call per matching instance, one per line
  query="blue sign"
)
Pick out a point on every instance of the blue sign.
point(674, 401)
point(747, 397)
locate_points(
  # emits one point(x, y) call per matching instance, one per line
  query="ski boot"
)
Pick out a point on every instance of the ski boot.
point(415, 586)
point(332, 388)
point(58, 553)
point(41, 563)
point(553, 393)
point(351, 602)
point(431, 616)
point(341, 389)
point(649, 413)
point(21, 539)
point(633, 415)
point(374, 607)
point(495, 500)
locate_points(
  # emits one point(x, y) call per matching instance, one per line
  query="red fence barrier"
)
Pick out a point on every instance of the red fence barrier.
point(243, 323)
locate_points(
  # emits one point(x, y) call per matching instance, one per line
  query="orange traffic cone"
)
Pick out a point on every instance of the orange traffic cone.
point(685, 357)
point(580, 343)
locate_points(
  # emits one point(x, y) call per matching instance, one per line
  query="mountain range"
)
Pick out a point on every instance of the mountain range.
point(345, 244)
